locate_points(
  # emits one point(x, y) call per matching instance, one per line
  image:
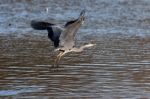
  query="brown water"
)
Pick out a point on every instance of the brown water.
point(118, 67)
point(115, 68)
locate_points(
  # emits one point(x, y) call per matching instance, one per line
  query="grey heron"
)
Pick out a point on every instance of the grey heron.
point(63, 37)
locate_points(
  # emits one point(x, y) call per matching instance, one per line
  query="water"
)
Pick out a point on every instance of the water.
point(118, 67)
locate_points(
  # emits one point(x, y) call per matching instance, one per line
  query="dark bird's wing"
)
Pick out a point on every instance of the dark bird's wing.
point(54, 31)
point(39, 25)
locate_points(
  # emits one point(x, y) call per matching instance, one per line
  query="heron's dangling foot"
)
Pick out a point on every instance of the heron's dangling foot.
point(57, 60)
point(56, 63)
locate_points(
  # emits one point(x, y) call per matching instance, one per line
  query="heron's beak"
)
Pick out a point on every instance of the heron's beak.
point(82, 13)
point(82, 16)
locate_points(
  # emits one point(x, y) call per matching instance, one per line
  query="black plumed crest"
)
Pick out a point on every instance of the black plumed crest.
point(70, 22)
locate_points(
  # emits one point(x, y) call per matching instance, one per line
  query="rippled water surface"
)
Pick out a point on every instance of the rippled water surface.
point(118, 67)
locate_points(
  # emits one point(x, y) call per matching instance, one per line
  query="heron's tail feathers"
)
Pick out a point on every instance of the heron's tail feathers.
point(39, 25)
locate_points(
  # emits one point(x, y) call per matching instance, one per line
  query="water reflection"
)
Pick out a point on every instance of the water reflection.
point(21, 89)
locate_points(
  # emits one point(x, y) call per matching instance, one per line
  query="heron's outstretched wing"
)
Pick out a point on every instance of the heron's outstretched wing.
point(67, 38)
point(54, 31)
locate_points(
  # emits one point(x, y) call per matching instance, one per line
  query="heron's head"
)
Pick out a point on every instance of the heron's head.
point(82, 16)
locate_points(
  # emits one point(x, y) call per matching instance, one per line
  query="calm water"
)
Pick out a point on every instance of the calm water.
point(118, 67)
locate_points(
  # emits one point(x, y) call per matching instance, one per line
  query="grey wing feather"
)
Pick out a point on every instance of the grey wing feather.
point(67, 38)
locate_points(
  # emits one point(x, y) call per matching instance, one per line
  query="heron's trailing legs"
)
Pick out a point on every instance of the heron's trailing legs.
point(58, 58)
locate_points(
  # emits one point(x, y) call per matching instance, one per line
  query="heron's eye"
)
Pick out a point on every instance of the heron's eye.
point(83, 19)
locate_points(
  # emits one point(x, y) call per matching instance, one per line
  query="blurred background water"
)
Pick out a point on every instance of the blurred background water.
point(117, 68)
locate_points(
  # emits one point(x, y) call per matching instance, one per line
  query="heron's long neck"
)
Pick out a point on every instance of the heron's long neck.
point(81, 48)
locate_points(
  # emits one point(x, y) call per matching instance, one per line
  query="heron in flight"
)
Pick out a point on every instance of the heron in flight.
point(63, 37)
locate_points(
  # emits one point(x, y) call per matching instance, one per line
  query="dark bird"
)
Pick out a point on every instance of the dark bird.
point(63, 37)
